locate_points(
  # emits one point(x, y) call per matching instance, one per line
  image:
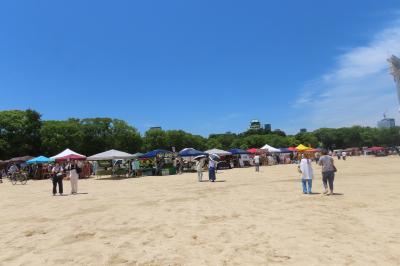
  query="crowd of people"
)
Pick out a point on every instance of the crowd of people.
point(73, 169)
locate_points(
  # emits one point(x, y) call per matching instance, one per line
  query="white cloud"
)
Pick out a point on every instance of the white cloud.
point(358, 90)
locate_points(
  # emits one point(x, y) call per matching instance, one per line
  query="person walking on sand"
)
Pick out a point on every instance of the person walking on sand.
point(199, 168)
point(328, 171)
point(211, 170)
point(73, 178)
point(257, 163)
point(57, 179)
point(307, 174)
point(344, 155)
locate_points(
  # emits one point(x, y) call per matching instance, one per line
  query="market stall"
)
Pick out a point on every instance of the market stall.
point(188, 155)
point(157, 162)
point(40, 167)
point(377, 151)
point(240, 158)
point(112, 162)
point(226, 159)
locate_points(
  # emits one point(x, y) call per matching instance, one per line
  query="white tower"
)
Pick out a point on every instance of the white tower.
point(395, 71)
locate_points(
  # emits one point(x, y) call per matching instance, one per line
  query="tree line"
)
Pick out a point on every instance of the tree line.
point(23, 132)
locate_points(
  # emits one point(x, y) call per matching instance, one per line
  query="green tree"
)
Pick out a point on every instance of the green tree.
point(155, 139)
point(19, 133)
point(124, 137)
point(59, 135)
point(307, 138)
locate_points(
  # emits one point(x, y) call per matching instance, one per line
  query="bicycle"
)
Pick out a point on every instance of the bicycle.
point(21, 177)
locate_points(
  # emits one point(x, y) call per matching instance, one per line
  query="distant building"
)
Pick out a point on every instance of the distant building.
point(386, 123)
point(267, 127)
point(303, 130)
point(155, 128)
point(255, 124)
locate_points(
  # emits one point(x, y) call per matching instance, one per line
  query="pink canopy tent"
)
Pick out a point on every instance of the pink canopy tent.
point(376, 148)
point(252, 150)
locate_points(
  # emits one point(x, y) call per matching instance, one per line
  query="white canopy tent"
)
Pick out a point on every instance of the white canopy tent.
point(65, 153)
point(111, 155)
point(270, 148)
point(218, 152)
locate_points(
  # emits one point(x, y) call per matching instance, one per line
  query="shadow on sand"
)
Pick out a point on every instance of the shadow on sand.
point(216, 181)
point(337, 194)
point(116, 178)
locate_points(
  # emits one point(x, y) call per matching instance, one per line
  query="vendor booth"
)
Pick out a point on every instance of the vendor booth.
point(112, 162)
point(225, 158)
point(187, 159)
point(240, 158)
point(157, 162)
point(377, 151)
point(40, 167)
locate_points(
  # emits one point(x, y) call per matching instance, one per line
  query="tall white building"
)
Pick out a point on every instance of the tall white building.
point(386, 123)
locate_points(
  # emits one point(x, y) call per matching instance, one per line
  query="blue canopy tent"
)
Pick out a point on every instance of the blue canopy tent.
point(238, 151)
point(285, 150)
point(153, 154)
point(190, 152)
point(39, 160)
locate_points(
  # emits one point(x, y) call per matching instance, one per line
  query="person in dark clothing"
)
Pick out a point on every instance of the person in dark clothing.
point(211, 170)
point(57, 179)
point(328, 172)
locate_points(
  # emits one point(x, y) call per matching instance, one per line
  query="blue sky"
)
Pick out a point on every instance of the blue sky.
point(202, 66)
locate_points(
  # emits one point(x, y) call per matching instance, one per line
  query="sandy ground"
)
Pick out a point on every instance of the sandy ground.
point(246, 218)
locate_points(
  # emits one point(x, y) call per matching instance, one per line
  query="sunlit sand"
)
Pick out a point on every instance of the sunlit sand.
point(246, 218)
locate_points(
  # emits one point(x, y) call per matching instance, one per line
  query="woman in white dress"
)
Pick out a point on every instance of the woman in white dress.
point(73, 177)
